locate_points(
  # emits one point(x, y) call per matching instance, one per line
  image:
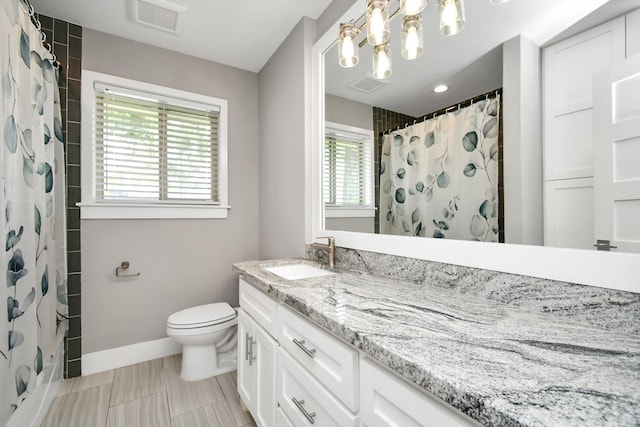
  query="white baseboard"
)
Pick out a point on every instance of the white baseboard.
point(118, 357)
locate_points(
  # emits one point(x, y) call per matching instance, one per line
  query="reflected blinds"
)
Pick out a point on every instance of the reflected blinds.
point(151, 150)
point(346, 163)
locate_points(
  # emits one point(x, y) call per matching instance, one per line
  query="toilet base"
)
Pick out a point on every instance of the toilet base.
point(203, 361)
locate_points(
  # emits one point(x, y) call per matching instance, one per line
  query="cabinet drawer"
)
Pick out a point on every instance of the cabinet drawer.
point(260, 306)
point(329, 360)
point(388, 401)
point(303, 399)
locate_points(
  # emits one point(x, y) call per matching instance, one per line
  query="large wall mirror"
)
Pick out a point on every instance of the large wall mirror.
point(471, 64)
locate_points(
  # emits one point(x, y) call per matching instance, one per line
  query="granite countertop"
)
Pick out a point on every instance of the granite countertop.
point(500, 364)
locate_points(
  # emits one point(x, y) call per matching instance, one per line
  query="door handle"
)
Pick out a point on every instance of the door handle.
point(604, 245)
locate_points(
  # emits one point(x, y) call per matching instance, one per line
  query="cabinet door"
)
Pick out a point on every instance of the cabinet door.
point(246, 383)
point(264, 366)
point(387, 401)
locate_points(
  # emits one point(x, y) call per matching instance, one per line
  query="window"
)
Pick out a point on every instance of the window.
point(348, 171)
point(156, 152)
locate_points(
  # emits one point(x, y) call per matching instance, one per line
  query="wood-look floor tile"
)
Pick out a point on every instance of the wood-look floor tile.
point(149, 411)
point(80, 409)
point(136, 381)
point(73, 385)
point(229, 385)
point(185, 396)
point(216, 415)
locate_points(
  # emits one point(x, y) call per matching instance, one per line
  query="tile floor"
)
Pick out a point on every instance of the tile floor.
point(149, 394)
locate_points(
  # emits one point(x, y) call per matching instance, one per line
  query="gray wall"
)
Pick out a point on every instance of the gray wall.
point(348, 112)
point(183, 262)
point(285, 127)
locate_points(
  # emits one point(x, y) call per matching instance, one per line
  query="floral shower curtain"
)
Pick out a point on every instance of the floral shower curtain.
point(439, 178)
point(32, 201)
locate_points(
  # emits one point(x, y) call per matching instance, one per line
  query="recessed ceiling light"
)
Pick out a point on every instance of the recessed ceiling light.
point(440, 88)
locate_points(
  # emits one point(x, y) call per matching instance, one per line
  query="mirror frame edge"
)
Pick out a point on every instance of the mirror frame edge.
point(594, 268)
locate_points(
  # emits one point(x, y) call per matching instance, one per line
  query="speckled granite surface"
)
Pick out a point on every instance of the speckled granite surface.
point(492, 352)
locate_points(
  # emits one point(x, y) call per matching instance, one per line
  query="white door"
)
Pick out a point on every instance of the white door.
point(264, 365)
point(617, 155)
point(246, 372)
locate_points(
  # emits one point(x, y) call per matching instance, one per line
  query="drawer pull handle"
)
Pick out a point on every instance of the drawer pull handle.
point(246, 346)
point(308, 416)
point(310, 352)
point(252, 356)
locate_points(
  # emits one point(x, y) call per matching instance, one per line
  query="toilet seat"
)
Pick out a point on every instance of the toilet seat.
point(202, 316)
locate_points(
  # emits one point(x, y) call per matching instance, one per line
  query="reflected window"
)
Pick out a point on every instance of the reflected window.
point(348, 171)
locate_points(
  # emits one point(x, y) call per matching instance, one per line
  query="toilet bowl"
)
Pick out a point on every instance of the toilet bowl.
point(208, 334)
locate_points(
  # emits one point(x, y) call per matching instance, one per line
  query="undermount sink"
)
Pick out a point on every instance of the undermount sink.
point(298, 271)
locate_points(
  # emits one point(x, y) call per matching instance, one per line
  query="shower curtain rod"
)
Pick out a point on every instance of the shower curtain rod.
point(35, 21)
point(485, 96)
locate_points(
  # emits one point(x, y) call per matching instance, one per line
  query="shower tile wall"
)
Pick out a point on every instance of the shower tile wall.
point(66, 39)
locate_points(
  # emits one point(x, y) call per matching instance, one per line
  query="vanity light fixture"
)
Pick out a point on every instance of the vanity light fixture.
point(451, 16)
point(498, 1)
point(348, 45)
point(381, 61)
point(377, 22)
point(411, 37)
point(440, 88)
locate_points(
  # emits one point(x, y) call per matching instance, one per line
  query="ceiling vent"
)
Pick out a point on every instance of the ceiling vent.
point(367, 83)
point(159, 14)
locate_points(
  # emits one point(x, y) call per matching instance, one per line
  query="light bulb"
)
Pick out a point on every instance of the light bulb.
point(381, 61)
point(412, 43)
point(347, 51)
point(411, 37)
point(377, 22)
point(348, 46)
point(413, 7)
point(451, 16)
point(377, 26)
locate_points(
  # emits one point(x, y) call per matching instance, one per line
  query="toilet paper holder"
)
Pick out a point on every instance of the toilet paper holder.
point(124, 265)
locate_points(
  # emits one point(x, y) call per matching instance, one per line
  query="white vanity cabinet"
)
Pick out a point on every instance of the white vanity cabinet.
point(292, 372)
point(388, 401)
point(257, 355)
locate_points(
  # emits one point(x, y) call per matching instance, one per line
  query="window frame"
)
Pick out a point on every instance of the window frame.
point(91, 207)
point(353, 133)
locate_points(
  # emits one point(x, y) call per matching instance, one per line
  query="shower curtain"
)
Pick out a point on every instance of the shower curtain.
point(439, 178)
point(33, 208)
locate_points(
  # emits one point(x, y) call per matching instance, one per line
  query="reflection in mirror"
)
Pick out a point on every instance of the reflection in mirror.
point(438, 168)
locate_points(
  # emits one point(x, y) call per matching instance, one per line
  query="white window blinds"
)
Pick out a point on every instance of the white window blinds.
point(154, 150)
point(347, 170)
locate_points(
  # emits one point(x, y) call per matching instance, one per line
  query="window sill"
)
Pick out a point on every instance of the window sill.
point(349, 212)
point(151, 211)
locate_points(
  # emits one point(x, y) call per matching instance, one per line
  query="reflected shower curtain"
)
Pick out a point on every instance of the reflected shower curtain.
point(439, 178)
point(32, 200)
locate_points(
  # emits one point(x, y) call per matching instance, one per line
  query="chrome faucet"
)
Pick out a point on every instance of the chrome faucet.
point(330, 248)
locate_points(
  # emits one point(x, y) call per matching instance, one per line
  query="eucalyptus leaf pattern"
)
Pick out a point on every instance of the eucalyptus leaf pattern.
point(33, 201)
point(440, 176)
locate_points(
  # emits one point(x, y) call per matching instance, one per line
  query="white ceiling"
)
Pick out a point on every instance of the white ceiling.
point(245, 33)
point(470, 63)
point(239, 33)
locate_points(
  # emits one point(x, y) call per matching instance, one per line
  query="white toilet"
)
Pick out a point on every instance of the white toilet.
point(208, 334)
